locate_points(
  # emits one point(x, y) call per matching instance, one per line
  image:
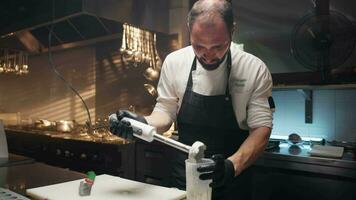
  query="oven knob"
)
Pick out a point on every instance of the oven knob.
point(58, 152)
point(83, 156)
point(95, 157)
point(66, 153)
point(22, 186)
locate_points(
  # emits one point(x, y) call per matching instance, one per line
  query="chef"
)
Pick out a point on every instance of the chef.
point(219, 95)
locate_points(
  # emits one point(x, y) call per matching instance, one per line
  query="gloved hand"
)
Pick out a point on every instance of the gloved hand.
point(123, 128)
point(222, 171)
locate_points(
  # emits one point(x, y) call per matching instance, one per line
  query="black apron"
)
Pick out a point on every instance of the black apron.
point(211, 120)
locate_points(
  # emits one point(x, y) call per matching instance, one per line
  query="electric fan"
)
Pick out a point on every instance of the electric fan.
point(322, 41)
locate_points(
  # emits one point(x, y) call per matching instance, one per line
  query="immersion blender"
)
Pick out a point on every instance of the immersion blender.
point(196, 189)
point(149, 133)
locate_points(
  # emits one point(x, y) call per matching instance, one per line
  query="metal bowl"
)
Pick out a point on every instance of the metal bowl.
point(65, 125)
point(294, 139)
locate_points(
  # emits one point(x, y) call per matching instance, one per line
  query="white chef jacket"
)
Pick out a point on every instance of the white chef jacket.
point(250, 85)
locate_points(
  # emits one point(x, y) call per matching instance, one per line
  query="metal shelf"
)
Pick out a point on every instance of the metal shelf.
point(315, 87)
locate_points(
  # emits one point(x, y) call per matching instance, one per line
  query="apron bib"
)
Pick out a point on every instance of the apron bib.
point(211, 120)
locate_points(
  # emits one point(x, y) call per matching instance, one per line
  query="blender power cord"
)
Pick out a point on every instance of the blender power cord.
point(68, 84)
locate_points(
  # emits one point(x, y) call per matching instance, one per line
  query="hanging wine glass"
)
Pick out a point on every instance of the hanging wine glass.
point(158, 60)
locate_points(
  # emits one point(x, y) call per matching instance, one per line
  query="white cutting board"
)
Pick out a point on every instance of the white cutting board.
point(106, 187)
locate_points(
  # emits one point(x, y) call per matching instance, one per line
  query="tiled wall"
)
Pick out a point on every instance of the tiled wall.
point(42, 95)
point(334, 114)
point(119, 85)
point(107, 85)
point(98, 74)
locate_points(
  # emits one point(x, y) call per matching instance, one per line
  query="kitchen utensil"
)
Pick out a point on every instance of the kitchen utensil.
point(123, 43)
point(150, 89)
point(294, 150)
point(149, 133)
point(44, 124)
point(294, 139)
point(151, 74)
point(197, 189)
point(65, 126)
point(158, 62)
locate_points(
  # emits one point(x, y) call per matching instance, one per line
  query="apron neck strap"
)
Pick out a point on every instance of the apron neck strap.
point(228, 65)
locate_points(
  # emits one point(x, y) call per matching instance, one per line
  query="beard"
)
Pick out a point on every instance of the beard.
point(215, 62)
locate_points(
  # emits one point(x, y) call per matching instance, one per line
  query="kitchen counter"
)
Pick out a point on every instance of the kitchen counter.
point(297, 158)
point(278, 172)
point(110, 157)
point(102, 137)
point(21, 177)
point(288, 171)
point(284, 157)
point(14, 159)
point(146, 162)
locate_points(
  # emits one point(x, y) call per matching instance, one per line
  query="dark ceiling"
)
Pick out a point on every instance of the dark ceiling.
point(70, 22)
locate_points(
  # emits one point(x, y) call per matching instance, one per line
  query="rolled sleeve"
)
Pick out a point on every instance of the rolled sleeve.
point(259, 113)
point(167, 100)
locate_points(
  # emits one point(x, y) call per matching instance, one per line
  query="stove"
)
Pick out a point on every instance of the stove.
point(100, 133)
point(100, 151)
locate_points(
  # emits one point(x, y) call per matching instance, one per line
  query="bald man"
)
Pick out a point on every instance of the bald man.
point(219, 95)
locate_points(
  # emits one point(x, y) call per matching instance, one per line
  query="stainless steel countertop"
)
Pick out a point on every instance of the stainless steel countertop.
point(14, 159)
point(285, 157)
point(297, 158)
point(21, 177)
point(98, 138)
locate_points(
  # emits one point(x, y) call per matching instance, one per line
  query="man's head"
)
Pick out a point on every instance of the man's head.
point(211, 25)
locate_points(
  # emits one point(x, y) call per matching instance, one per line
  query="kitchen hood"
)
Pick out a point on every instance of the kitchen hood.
point(25, 24)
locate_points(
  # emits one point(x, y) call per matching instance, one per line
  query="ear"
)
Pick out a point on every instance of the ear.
point(233, 29)
point(189, 32)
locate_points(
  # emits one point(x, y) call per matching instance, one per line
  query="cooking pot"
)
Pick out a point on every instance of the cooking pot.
point(65, 125)
point(151, 74)
point(294, 139)
point(44, 124)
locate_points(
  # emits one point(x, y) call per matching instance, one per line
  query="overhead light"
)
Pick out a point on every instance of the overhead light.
point(13, 62)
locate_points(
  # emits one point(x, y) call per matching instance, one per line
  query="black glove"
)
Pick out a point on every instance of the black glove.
point(222, 171)
point(123, 128)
